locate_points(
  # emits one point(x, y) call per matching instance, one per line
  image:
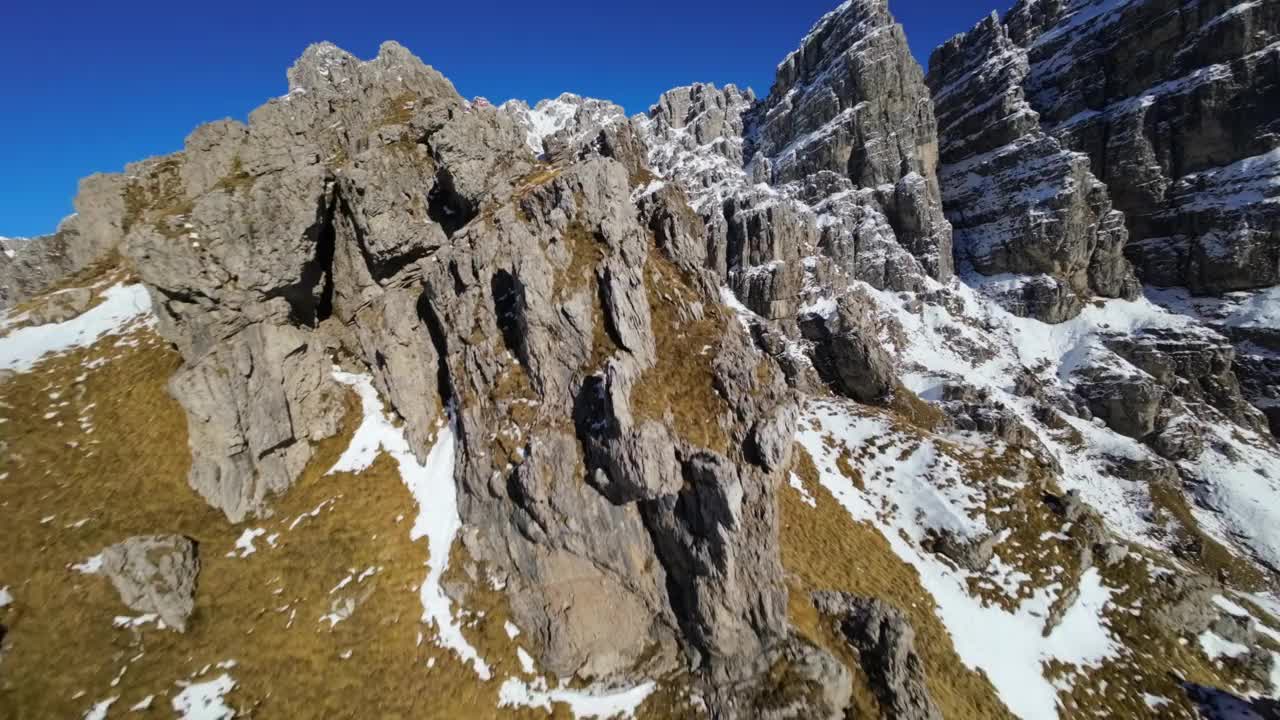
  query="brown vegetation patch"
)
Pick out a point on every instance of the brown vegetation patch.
point(640, 177)
point(681, 384)
point(398, 110)
point(585, 253)
point(237, 180)
point(1200, 548)
point(541, 174)
point(158, 196)
point(603, 345)
point(128, 477)
point(1154, 659)
point(908, 406)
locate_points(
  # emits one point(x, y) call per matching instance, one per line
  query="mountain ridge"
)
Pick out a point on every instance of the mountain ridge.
point(659, 351)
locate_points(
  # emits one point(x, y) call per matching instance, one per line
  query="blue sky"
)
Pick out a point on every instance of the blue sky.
point(90, 86)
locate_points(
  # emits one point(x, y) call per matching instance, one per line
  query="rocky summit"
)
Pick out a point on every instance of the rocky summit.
point(891, 393)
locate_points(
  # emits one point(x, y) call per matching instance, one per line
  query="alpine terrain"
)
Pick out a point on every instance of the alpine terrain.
point(898, 392)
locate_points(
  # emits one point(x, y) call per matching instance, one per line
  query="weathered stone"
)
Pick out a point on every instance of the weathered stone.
point(852, 100)
point(254, 406)
point(792, 680)
point(1182, 133)
point(885, 642)
point(847, 352)
point(1194, 364)
point(1018, 202)
point(155, 574)
point(61, 306)
point(1128, 404)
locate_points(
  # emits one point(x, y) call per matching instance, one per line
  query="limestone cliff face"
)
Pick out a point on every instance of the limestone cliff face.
point(1019, 202)
point(851, 101)
point(1175, 105)
point(1076, 130)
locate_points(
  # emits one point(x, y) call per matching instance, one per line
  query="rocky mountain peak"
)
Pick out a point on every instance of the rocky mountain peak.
point(851, 101)
point(738, 408)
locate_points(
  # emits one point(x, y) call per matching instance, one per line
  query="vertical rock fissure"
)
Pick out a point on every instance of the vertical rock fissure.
point(439, 340)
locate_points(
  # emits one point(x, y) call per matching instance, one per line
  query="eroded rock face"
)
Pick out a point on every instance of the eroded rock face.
point(852, 101)
point(1182, 130)
point(847, 351)
point(830, 180)
point(885, 642)
point(155, 574)
point(374, 216)
point(92, 234)
point(1018, 201)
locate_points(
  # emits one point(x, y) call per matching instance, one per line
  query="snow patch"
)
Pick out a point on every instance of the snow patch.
point(244, 544)
point(433, 488)
point(99, 711)
point(92, 566)
point(1215, 646)
point(582, 703)
point(123, 307)
point(204, 701)
point(804, 493)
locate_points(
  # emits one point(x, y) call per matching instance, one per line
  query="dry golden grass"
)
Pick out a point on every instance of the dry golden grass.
point(237, 180)
point(158, 196)
point(263, 611)
point(909, 407)
point(399, 110)
point(681, 384)
point(585, 253)
point(1210, 556)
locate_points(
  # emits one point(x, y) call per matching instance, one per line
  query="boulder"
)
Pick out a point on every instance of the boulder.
point(847, 352)
point(885, 642)
point(155, 574)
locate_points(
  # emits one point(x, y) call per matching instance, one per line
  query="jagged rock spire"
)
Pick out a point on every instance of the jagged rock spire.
point(851, 100)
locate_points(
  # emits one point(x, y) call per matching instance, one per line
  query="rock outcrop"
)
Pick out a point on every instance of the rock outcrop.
point(1075, 131)
point(373, 216)
point(155, 575)
point(885, 642)
point(31, 266)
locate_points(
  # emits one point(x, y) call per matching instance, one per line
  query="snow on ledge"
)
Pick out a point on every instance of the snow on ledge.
point(582, 703)
point(122, 305)
point(433, 489)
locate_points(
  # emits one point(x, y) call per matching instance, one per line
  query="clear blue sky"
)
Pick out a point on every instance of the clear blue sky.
point(89, 86)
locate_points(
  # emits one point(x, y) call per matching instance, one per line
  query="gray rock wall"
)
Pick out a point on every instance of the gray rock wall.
point(1018, 201)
